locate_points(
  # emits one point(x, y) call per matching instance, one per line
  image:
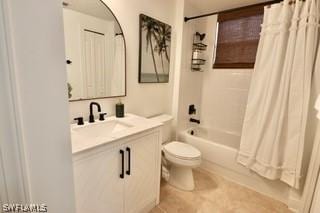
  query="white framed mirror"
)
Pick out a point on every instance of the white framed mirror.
point(95, 51)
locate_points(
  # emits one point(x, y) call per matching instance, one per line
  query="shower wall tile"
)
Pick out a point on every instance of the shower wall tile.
point(224, 98)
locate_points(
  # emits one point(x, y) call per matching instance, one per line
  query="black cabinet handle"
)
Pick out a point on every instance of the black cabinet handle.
point(128, 172)
point(122, 164)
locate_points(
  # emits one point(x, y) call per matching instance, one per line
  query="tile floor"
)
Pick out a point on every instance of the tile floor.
point(214, 194)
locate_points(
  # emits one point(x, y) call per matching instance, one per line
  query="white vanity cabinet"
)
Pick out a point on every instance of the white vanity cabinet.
point(96, 178)
point(141, 186)
point(99, 184)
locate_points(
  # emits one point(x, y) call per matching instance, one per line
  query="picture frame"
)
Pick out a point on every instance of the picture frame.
point(154, 50)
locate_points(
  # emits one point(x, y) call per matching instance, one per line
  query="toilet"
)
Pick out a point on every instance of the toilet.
point(180, 157)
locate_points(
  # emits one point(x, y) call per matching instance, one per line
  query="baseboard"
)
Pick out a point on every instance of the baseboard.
point(294, 201)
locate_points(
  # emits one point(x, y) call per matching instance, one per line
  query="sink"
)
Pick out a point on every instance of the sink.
point(101, 129)
point(113, 129)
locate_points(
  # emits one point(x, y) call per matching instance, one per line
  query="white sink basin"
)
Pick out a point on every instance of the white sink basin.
point(101, 129)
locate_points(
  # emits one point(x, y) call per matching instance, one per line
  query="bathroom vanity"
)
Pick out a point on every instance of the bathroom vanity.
point(116, 164)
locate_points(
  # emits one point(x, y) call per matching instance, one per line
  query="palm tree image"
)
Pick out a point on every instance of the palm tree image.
point(155, 38)
point(163, 37)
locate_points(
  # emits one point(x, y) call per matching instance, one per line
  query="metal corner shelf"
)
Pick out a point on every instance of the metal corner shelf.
point(199, 46)
point(198, 61)
point(196, 65)
point(197, 69)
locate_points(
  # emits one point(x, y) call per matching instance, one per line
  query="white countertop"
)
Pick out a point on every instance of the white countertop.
point(139, 124)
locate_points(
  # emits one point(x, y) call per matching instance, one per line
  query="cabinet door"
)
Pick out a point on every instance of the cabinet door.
point(141, 185)
point(98, 187)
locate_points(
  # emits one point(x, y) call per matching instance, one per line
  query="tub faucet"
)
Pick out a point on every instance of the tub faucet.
point(91, 116)
point(194, 120)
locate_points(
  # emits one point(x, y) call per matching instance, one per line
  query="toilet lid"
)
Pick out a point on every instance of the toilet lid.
point(182, 150)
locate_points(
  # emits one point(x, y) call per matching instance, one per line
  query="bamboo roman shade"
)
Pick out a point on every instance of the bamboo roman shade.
point(238, 37)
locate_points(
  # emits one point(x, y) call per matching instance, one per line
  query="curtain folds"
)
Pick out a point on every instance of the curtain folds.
point(274, 126)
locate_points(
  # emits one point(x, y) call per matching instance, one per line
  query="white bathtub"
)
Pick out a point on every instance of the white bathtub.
point(219, 153)
point(216, 146)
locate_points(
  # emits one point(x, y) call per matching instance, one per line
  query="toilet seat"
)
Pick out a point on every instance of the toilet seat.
point(182, 151)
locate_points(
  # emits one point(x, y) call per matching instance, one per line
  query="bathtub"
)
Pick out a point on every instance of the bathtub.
point(216, 147)
point(219, 155)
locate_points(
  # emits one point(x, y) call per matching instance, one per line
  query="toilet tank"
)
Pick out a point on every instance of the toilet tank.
point(167, 126)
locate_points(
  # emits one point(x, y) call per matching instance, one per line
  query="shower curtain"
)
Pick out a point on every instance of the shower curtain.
point(273, 132)
point(118, 74)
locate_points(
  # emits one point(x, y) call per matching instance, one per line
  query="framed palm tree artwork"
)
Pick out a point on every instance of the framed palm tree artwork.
point(154, 56)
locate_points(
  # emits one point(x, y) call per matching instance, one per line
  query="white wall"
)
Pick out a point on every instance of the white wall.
point(316, 199)
point(10, 165)
point(311, 192)
point(39, 66)
point(311, 139)
point(190, 82)
point(224, 91)
point(179, 47)
point(224, 99)
point(142, 99)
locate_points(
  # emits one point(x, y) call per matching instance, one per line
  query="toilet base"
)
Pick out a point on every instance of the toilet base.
point(181, 178)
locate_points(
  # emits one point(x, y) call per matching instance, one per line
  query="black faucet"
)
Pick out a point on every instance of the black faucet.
point(91, 116)
point(194, 120)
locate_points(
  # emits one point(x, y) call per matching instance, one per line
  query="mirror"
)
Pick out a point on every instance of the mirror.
point(95, 51)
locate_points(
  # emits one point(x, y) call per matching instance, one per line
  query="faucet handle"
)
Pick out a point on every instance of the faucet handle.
point(101, 116)
point(80, 120)
point(192, 109)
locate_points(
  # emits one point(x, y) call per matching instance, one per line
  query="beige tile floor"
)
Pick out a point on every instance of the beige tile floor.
point(214, 194)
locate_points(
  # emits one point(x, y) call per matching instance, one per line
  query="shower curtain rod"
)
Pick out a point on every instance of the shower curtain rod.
point(230, 10)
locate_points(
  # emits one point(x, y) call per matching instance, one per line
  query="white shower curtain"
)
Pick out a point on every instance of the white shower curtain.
point(273, 132)
point(118, 74)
